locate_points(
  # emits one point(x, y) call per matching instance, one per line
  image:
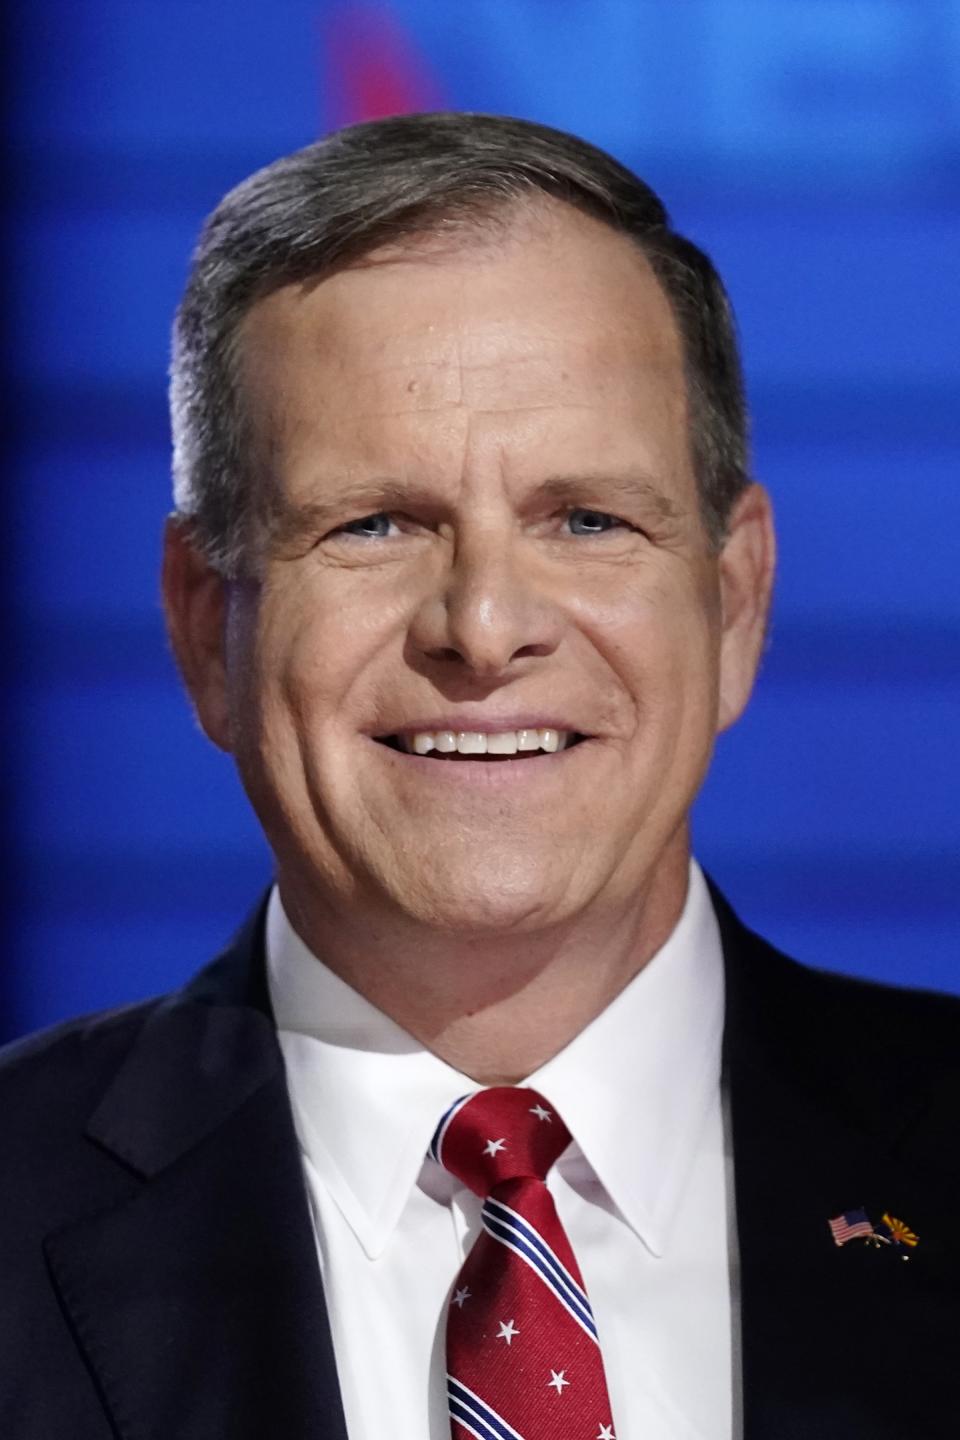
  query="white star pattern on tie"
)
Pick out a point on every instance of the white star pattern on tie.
point(522, 1278)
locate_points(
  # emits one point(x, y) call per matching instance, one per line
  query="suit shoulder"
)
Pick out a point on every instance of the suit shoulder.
point(63, 1067)
point(928, 1007)
point(867, 1021)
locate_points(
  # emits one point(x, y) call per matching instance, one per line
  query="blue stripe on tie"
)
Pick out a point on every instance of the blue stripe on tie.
point(476, 1415)
point(461, 1418)
point(518, 1222)
point(583, 1318)
point(569, 1298)
point(470, 1422)
point(436, 1144)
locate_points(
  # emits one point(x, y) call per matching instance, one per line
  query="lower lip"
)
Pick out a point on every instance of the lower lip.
point(487, 774)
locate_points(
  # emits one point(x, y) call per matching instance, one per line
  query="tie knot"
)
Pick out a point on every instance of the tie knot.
point(499, 1134)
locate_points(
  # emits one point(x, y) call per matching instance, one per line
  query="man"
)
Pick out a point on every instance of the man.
point(467, 572)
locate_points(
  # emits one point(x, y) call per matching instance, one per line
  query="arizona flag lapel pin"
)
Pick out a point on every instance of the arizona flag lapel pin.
point(898, 1235)
point(856, 1225)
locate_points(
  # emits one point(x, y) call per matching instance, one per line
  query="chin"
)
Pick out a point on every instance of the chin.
point(497, 899)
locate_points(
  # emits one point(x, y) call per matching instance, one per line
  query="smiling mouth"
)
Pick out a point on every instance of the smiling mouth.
point(468, 745)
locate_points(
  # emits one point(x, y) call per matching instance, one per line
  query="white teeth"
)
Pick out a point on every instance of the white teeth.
point(471, 742)
point(476, 742)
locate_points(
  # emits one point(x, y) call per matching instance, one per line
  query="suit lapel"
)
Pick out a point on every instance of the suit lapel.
point(845, 1343)
point(197, 1299)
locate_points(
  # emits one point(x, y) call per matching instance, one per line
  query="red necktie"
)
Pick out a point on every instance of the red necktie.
point(523, 1361)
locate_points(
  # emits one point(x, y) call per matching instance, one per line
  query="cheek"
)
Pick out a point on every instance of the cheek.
point(321, 656)
point(659, 640)
point(276, 673)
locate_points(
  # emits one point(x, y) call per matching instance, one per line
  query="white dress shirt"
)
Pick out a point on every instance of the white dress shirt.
point(643, 1190)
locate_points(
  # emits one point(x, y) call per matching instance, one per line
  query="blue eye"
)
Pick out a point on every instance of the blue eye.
point(369, 527)
point(591, 522)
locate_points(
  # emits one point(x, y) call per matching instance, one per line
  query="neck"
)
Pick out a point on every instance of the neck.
point(496, 1007)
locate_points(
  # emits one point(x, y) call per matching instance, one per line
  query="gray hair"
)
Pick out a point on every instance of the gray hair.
point(391, 180)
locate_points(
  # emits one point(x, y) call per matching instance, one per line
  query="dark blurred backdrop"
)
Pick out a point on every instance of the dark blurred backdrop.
point(812, 146)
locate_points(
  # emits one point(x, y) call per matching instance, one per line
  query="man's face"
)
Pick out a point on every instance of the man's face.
point(490, 525)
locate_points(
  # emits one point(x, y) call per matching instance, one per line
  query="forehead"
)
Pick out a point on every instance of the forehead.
point(550, 324)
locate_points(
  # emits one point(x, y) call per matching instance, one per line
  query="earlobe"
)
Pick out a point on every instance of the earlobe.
point(195, 604)
point(746, 567)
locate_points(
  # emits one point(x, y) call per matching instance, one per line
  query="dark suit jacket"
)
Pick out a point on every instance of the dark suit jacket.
point(158, 1278)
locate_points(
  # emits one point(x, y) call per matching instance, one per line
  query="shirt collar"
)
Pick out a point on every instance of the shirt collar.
point(366, 1096)
point(636, 1086)
point(633, 1088)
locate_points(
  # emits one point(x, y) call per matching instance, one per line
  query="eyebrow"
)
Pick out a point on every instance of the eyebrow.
point(291, 522)
point(626, 488)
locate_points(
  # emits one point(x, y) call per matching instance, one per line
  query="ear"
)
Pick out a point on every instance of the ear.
point(195, 605)
point(746, 568)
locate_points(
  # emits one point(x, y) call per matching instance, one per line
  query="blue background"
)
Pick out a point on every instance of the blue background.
point(812, 146)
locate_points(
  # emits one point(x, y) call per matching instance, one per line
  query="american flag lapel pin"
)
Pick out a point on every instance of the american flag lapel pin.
point(856, 1225)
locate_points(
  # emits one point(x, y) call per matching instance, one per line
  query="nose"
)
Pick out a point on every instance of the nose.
point(488, 608)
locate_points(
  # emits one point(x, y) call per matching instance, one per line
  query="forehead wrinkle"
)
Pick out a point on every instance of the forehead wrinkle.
point(460, 367)
point(519, 382)
point(479, 414)
point(457, 392)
